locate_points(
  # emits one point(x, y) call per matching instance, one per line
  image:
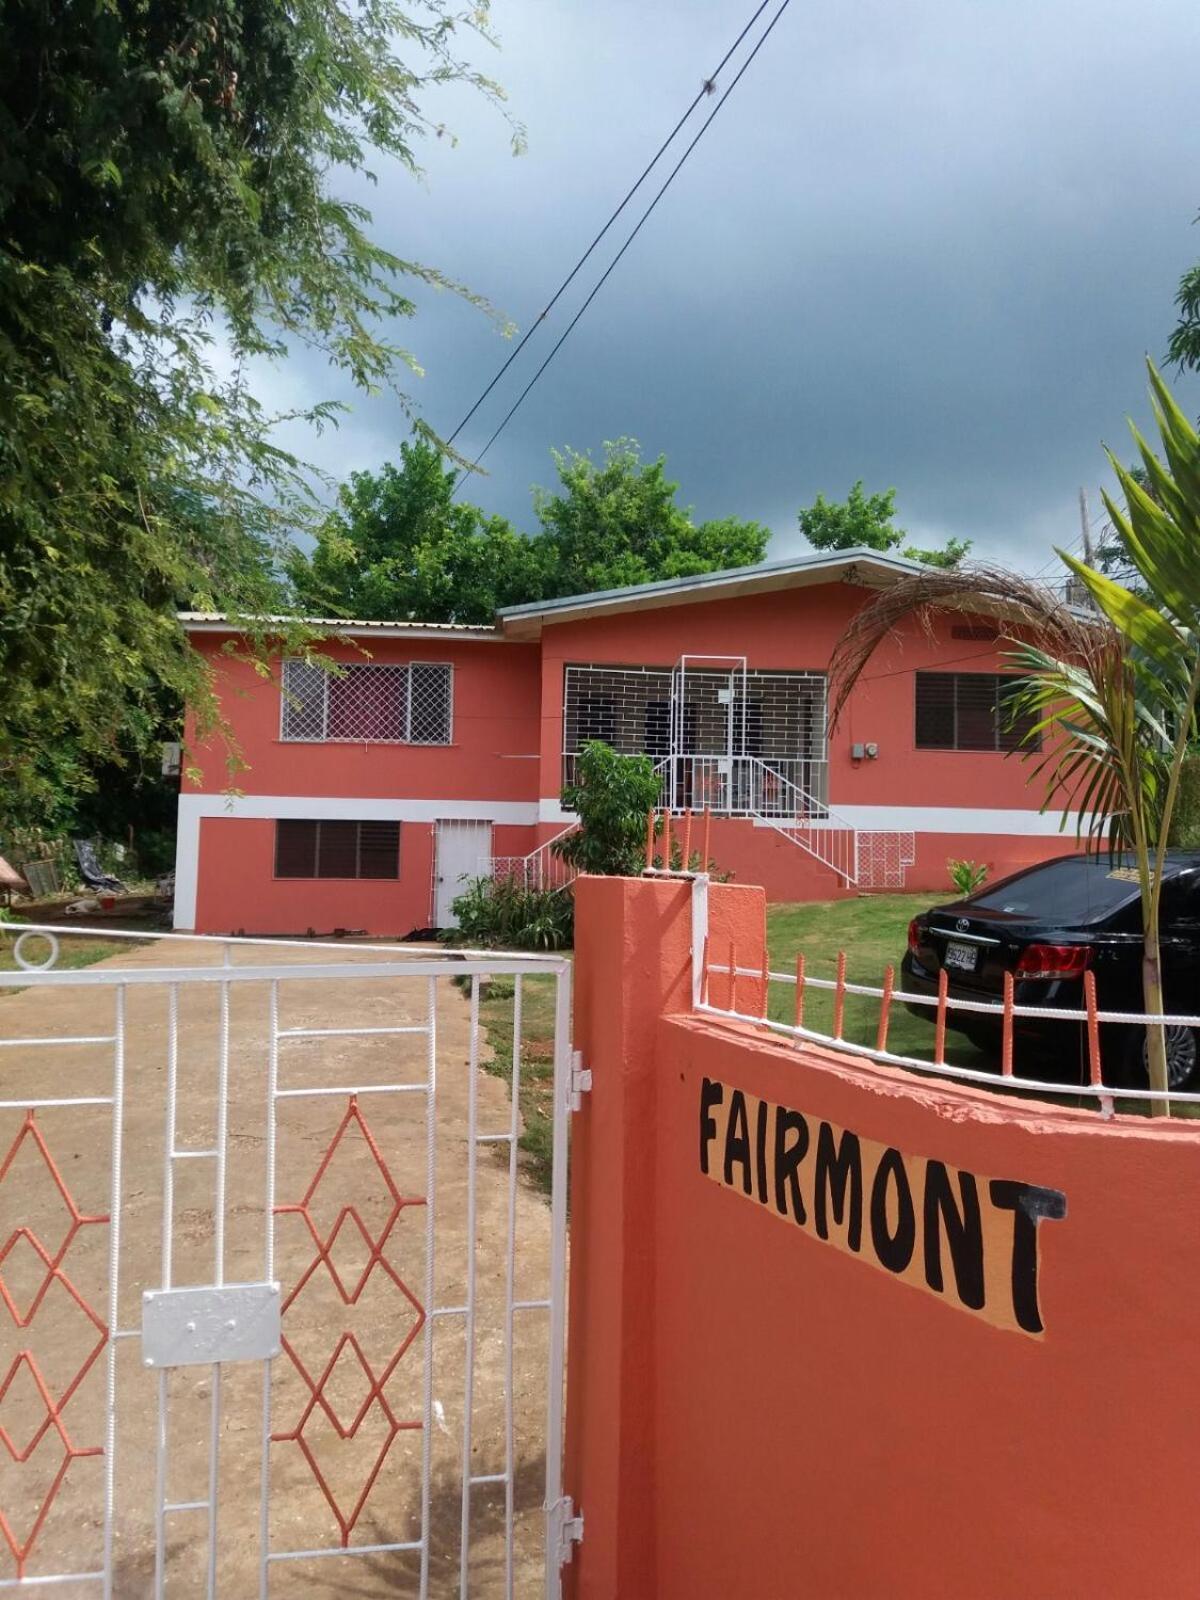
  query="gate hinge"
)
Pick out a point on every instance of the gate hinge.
point(581, 1080)
point(566, 1528)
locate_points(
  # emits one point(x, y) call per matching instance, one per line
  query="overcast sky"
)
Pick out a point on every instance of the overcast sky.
point(924, 244)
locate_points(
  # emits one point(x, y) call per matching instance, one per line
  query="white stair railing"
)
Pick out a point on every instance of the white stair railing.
point(863, 858)
point(542, 868)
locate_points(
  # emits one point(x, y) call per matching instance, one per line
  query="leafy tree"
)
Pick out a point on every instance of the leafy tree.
point(172, 181)
point(1184, 346)
point(865, 521)
point(617, 523)
point(400, 546)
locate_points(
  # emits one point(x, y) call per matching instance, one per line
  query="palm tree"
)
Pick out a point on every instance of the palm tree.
point(1115, 689)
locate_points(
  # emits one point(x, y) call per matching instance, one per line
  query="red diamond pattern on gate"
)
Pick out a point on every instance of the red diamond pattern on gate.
point(376, 1381)
point(53, 1404)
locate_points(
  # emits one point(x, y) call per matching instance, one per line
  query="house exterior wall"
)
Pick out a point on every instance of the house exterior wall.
point(976, 804)
point(504, 764)
point(225, 879)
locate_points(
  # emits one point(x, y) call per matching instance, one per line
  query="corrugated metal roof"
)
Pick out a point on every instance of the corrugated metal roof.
point(766, 575)
point(859, 556)
point(207, 621)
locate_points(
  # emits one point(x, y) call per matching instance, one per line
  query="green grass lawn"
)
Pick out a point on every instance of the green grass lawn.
point(872, 930)
point(537, 1061)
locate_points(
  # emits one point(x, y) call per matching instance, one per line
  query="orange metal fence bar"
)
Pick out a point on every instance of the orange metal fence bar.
point(707, 829)
point(687, 840)
point(839, 996)
point(1006, 1039)
point(939, 1038)
point(885, 1008)
point(650, 838)
point(732, 976)
point(1093, 1029)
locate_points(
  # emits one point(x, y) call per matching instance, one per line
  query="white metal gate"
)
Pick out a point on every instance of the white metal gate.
point(707, 732)
point(276, 1294)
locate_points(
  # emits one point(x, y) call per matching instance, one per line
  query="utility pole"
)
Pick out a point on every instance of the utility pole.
point(1086, 523)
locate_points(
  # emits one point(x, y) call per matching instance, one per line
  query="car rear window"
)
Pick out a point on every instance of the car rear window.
point(1073, 890)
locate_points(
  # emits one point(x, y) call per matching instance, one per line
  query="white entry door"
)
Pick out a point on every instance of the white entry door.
point(462, 850)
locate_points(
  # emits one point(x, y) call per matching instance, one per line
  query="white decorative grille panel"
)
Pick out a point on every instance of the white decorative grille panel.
point(363, 703)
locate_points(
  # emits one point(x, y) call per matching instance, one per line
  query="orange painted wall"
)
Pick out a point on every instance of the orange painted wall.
point(239, 892)
point(763, 856)
point(797, 630)
point(495, 731)
point(797, 1422)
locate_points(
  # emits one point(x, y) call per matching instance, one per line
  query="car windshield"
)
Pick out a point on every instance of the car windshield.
point(1073, 890)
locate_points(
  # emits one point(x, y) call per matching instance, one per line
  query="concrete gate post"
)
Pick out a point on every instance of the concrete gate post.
point(632, 967)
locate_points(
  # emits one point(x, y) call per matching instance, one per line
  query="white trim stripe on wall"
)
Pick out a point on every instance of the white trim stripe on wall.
point(905, 819)
point(193, 808)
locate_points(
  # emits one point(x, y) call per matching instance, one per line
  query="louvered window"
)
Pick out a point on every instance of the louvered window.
point(329, 849)
point(969, 711)
point(368, 703)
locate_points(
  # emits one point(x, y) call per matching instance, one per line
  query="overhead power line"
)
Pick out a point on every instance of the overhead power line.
point(642, 220)
point(706, 88)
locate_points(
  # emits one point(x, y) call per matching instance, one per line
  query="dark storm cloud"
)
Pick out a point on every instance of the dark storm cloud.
point(925, 245)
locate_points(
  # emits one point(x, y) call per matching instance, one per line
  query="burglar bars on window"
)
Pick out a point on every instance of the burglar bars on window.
point(375, 703)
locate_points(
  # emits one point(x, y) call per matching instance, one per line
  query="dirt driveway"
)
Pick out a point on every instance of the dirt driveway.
point(365, 1418)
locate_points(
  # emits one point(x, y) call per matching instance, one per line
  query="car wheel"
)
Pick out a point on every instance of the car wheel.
point(1183, 1059)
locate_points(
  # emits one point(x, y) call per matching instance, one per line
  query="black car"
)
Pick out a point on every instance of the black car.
point(1048, 925)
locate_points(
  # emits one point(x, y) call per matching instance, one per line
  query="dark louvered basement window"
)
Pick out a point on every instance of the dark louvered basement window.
point(968, 711)
point(337, 849)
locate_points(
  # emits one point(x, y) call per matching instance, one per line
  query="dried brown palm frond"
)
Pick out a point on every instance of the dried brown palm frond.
point(1025, 610)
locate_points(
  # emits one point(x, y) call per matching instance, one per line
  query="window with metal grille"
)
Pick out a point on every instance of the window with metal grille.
point(631, 708)
point(329, 849)
point(969, 711)
point(368, 703)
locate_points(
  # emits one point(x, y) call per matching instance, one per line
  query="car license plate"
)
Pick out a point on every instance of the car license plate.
point(962, 956)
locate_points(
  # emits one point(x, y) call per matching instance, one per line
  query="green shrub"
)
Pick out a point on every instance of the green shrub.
point(967, 876)
point(612, 796)
point(497, 913)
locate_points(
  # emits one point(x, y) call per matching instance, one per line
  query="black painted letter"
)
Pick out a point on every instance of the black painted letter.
point(835, 1170)
point(737, 1141)
point(894, 1250)
point(964, 1233)
point(1028, 1204)
point(787, 1159)
point(711, 1094)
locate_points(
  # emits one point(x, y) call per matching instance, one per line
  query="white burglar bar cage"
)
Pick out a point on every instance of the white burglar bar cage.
point(377, 702)
point(692, 718)
point(280, 1307)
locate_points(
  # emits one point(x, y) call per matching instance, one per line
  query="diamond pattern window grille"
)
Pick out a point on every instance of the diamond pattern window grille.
point(368, 703)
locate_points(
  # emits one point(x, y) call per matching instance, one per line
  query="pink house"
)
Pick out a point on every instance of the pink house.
point(441, 751)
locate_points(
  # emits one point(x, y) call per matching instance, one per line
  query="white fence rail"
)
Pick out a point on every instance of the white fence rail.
point(743, 993)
